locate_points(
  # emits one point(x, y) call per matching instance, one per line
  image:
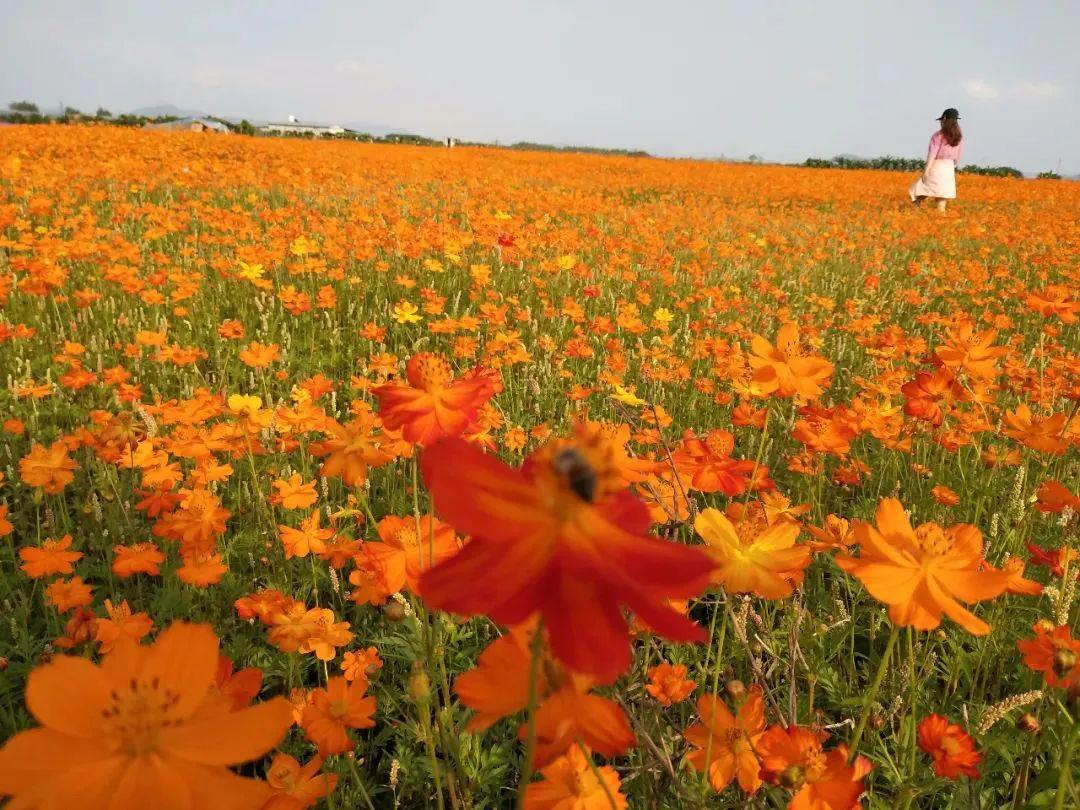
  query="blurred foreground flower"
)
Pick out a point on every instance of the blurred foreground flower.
point(144, 729)
point(553, 538)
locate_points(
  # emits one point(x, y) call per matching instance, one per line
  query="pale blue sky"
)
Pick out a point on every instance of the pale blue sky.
point(785, 80)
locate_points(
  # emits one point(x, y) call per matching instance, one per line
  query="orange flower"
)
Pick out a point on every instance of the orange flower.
point(259, 355)
point(499, 686)
point(1045, 435)
point(297, 787)
point(669, 684)
point(361, 664)
point(951, 748)
point(785, 369)
point(707, 465)
point(142, 728)
point(819, 779)
point(408, 548)
point(945, 496)
point(928, 392)
point(1054, 653)
point(330, 712)
point(6, 527)
point(835, 534)
point(72, 593)
point(140, 558)
point(78, 629)
point(433, 405)
point(52, 557)
point(294, 493)
point(122, 625)
point(728, 741)
point(972, 352)
point(1053, 496)
point(753, 557)
point(350, 450)
point(325, 635)
point(49, 468)
point(920, 573)
point(572, 783)
point(239, 688)
point(309, 538)
point(201, 570)
point(542, 542)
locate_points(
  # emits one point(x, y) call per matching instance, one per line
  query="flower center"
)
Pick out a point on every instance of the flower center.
point(137, 715)
point(932, 539)
point(815, 765)
point(429, 371)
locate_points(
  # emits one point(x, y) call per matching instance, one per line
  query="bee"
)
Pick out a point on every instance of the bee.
point(576, 470)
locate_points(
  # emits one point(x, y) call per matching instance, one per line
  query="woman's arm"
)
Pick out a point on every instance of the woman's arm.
point(931, 153)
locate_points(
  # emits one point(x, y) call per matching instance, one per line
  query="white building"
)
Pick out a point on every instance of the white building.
point(295, 127)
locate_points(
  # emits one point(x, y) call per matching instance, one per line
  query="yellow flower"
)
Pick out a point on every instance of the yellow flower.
point(302, 246)
point(433, 265)
point(245, 404)
point(406, 312)
point(250, 272)
point(626, 397)
point(663, 316)
point(567, 262)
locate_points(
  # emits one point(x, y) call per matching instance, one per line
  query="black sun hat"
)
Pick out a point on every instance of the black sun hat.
point(952, 112)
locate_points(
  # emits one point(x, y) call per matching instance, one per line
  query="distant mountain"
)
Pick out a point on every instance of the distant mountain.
point(166, 111)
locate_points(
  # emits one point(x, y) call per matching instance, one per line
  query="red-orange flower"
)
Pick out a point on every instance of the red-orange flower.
point(433, 405)
point(1053, 652)
point(707, 466)
point(541, 541)
point(951, 748)
point(142, 728)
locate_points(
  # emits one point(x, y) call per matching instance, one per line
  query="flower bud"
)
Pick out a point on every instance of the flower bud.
point(1064, 662)
point(394, 611)
point(736, 691)
point(419, 685)
point(1028, 723)
point(1044, 625)
point(793, 777)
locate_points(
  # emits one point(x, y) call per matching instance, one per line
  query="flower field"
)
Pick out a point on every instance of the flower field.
point(351, 475)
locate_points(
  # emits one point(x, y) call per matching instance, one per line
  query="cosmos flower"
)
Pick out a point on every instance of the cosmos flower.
point(141, 729)
point(951, 748)
point(541, 541)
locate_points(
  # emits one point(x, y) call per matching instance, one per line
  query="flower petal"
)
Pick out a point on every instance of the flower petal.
point(233, 737)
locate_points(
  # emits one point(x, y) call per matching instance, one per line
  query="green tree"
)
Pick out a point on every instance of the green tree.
point(23, 107)
point(103, 113)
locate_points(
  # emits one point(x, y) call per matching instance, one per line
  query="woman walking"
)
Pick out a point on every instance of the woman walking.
point(938, 179)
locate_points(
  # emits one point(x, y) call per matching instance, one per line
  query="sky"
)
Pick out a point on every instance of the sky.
point(783, 80)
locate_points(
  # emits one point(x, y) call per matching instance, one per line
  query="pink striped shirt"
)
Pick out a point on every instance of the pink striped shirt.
point(940, 149)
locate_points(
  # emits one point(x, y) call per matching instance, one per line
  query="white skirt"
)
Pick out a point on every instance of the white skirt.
point(940, 182)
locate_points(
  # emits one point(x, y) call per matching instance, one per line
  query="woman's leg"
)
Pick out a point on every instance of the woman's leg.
point(941, 203)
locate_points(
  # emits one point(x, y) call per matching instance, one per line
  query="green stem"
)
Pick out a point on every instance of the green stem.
point(870, 695)
point(530, 734)
point(1064, 767)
